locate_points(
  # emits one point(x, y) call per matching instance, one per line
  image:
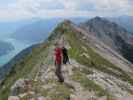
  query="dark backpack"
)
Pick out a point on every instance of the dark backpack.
point(65, 55)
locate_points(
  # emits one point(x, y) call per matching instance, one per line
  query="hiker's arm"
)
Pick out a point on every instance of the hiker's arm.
point(53, 57)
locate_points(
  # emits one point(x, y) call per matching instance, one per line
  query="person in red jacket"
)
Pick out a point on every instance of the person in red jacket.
point(58, 63)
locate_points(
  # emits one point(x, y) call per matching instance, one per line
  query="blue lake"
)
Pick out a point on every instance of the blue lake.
point(18, 45)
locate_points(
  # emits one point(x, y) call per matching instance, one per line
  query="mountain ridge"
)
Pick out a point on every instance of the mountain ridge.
point(111, 34)
point(88, 75)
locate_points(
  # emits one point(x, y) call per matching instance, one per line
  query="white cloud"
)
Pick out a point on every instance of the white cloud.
point(20, 9)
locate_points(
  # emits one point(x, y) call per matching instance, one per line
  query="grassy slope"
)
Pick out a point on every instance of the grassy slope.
point(95, 60)
point(23, 69)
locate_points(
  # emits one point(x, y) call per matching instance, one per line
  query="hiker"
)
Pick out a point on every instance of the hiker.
point(65, 55)
point(58, 63)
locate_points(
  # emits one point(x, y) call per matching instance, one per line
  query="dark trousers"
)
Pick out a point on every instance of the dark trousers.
point(58, 72)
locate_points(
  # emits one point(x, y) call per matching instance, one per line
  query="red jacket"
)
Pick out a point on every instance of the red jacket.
point(58, 55)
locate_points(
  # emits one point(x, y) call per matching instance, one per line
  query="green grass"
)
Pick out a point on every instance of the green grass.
point(90, 85)
point(37, 87)
point(87, 84)
point(60, 92)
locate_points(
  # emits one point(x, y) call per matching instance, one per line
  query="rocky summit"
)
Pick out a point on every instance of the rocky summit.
point(95, 72)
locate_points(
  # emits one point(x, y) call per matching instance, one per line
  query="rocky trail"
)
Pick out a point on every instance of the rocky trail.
point(45, 85)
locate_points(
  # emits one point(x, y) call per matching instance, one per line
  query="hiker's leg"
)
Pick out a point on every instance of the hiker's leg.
point(56, 71)
point(59, 73)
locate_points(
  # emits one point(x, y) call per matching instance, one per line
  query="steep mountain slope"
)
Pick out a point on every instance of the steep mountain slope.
point(112, 35)
point(88, 76)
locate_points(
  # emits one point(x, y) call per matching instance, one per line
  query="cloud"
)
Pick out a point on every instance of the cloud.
point(22, 9)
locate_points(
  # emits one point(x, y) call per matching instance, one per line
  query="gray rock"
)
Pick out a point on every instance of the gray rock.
point(13, 98)
point(19, 85)
point(41, 98)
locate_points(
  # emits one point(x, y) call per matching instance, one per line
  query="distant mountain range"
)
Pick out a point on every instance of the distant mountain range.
point(36, 31)
point(39, 30)
point(8, 27)
point(124, 21)
point(15, 29)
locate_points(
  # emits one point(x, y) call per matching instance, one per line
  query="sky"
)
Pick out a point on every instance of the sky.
point(25, 9)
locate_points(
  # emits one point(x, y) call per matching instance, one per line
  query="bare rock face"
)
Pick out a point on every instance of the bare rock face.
point(13, 98)
point(20, 86)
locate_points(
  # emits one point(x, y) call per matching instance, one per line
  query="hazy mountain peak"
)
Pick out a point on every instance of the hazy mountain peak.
point(104, 22)
point(66, 21)
point(97, 18)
